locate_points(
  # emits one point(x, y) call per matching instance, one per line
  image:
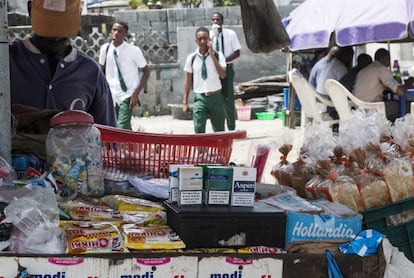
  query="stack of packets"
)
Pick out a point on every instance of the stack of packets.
point(207, 184)
point(116, 223)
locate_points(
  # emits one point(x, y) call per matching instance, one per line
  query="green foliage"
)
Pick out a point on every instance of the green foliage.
point(133, 4)
point(196, 3)
point(218, 3)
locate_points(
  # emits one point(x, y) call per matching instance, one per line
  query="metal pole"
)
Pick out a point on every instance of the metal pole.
point(5, 109)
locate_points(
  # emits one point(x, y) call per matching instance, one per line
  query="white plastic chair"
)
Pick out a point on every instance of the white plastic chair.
point(344, 99)
point(309, 100)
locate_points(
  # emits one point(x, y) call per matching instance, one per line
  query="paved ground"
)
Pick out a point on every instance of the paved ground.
point(268, 132)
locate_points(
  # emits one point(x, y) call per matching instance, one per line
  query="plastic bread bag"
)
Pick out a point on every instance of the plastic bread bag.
point(283, 169)
point(319, 143)
point(379, 155)
point(283, 146)
point(373, 189)
point(403, 131)
point(35, 219)
point(340, 159)
point(398, 175)
point(302, 171)
point(397, 172)
point(362, 129)
point(337, 188)
point(403, 136)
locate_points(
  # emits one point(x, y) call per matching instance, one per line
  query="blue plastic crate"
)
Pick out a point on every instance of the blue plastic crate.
point(286, 100)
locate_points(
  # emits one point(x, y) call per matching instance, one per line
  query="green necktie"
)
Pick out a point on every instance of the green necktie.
point(204, 67)
point(121, 79)
point(217, 44)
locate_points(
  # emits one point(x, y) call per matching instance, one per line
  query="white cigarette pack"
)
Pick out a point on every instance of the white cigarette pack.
point(173, 181)
point(243, 187)
point(190, 185)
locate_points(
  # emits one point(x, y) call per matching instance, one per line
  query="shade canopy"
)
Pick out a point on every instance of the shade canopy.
point(321, 23)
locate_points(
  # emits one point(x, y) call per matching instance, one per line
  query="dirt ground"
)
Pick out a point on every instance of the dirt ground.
point(270, 133)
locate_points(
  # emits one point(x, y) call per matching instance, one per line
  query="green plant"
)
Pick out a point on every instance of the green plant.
point(217, 3)
point(133, 4)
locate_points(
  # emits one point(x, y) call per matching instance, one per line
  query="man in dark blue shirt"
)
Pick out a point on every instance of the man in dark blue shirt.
point(48, 73)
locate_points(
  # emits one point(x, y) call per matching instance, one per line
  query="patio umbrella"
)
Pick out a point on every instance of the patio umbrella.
point(320, 23)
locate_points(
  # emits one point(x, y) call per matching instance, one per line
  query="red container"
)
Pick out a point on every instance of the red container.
point(153, 153)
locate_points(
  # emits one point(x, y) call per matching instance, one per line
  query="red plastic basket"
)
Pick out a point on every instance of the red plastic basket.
point(153, 153)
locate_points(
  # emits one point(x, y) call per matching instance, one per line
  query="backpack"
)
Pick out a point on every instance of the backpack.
point(106, 56)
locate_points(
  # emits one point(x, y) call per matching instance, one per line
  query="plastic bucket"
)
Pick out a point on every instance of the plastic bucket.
point(244, 113)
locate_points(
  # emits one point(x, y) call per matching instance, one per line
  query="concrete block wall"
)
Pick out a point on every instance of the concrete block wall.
point(167, 81)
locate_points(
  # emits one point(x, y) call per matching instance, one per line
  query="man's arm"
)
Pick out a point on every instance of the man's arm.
point(402, 89)
point(187, 85)
point(221, 71)
point(233, 56)
point(144, 79)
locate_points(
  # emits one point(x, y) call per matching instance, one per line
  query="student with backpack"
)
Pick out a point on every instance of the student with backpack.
point(204, 69)
point(121, 62)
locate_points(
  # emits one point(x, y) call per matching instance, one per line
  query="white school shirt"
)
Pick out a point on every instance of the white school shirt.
point(130, 58)
point(230, 40)
point(212, 83)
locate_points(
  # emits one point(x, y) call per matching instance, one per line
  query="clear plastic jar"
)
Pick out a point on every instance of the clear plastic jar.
point(74, 155)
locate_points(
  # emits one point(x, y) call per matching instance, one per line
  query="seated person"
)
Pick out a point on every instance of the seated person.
point(335, 69)
point(348, 80)
point(47, 72)
point(320, 65)
point(377, 77)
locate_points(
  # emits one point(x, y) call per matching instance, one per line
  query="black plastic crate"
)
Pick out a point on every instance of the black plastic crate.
point(208, 227)
point(401, 235)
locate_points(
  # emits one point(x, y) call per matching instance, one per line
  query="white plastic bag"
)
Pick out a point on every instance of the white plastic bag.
point(397, 264)
point(35, 219)
point(155, 187)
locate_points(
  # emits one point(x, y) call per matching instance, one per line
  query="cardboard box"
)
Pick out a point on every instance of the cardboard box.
point(68, 267)
point(54, 267)
point(217, 185)
point(237, 268)
point(302, 226)
point(243, 186)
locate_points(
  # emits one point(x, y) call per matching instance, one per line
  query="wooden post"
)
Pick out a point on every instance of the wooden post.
point(5, 109)
point(290, 113)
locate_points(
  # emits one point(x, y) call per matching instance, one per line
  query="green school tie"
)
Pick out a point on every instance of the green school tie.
point(217, 44)
point(121, 79)
point(204, 67)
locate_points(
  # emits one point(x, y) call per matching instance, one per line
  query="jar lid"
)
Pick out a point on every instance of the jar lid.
point(71, 117)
